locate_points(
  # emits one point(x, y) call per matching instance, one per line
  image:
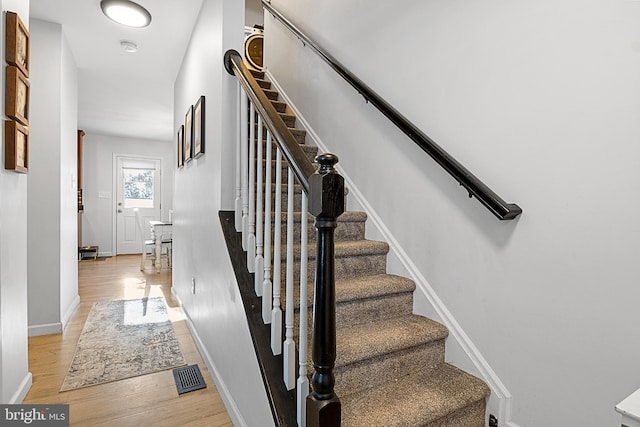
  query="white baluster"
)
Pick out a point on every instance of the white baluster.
point(302, 389)
point(244, 147)
point(266, 284)
point(259, 260)
point(251, 237)
point(289, 360)
point(242, 125)
point(276, 314)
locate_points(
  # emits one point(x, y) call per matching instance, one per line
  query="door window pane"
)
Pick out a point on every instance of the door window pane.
point(138, 187)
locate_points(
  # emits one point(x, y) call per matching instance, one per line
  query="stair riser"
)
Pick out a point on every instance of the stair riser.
point(345, 267)
point(264, 84)
point(362, 311)
point(372, 372)
point(470, 416)
point(281, 107)
point(271, 94)
point(344, 231)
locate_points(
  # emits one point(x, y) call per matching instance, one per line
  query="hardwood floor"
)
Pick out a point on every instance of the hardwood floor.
point(149, 400)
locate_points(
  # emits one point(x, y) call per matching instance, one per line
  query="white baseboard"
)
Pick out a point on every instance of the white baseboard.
point(500, 401)
point(22, 391)
point(70, 311)
point(229, 402)
point(57, 327)
point(45, 329)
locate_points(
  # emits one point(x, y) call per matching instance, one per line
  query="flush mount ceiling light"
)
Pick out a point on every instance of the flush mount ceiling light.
point(126, 12)
point(128, 46)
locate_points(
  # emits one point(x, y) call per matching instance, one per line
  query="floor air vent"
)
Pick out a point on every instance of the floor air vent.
point(188, 378)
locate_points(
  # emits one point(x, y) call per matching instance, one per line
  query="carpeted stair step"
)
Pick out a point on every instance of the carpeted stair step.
point(444, 397)
point(360, 299)
point(264, 84)
point(271, 94)
point(257, 74)
point(352, 259)
point(281, 107)
point(297, 195)
point(309, 151)
point(372, 353)
point(351, 226)
point(298, 134)
point(288, 119)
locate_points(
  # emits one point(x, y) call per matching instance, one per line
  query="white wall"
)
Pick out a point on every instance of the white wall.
point(202, 188)
point(69, 298)
point(15, 378)
point(98, 180)
point(52, 229)
point(539, 100)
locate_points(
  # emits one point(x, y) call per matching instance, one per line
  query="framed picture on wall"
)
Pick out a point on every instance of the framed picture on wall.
point(180, 144)
point(198, 128)
point(16, 147)
point(16, 103)
point(17, 39)
point(188, 135)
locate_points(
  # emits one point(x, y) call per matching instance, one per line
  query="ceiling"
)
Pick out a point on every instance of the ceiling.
point(119, 93)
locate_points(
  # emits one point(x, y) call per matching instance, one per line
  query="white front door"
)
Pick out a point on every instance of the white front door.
point(137, 186)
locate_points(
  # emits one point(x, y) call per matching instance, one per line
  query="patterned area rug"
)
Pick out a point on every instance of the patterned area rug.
point(124, 339)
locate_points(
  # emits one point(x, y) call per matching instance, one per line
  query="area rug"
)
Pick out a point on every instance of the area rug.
point(124, 339)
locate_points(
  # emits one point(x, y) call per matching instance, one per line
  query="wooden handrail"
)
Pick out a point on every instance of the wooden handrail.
point(501, 209)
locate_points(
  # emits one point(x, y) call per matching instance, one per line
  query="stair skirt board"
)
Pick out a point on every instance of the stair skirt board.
point(459, 344)
point(281, 400)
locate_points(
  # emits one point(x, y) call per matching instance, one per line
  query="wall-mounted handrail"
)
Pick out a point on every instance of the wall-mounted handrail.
point(501, 209)
point(298, 161)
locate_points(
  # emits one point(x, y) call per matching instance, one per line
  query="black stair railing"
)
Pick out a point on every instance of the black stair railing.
point(325, 191)
point(476, 188)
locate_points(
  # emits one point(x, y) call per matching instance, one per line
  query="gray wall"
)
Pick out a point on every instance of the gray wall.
point(52, 217)
point(253, 13)
point(15, 378)
point(98, 182)
point(540, 100)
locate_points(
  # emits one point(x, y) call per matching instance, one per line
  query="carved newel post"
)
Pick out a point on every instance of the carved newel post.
point(326, 203)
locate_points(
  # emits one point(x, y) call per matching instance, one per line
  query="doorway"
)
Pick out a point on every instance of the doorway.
point(137, 186)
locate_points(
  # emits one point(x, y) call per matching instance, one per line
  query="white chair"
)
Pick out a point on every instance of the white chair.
point(166, 240)
point(148, 246)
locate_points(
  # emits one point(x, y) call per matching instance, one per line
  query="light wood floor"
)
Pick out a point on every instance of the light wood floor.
point(149, 400)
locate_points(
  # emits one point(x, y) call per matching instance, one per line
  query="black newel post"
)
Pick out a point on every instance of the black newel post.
point(326, 203)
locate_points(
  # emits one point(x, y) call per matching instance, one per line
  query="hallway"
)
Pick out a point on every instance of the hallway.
point(146, 400)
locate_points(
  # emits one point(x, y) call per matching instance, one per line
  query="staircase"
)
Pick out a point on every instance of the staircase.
point(390, 368)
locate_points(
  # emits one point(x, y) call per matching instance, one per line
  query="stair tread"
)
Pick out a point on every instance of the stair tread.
point(383, 336)
point(362, 288)
point(347, 216)
point(343, 248)
point(374, 286)
point(417, 399)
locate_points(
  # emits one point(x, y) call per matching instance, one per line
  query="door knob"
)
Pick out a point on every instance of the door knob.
point(119, 210)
